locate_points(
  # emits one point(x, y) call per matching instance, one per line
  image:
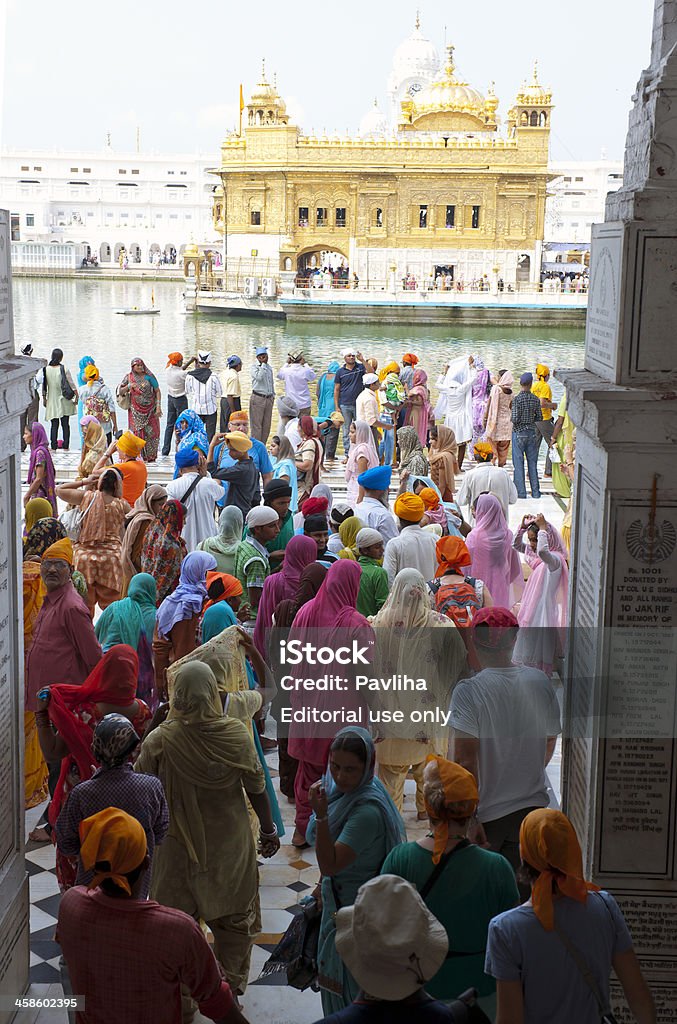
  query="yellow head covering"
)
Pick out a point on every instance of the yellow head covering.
point(483, 448)
point(460, 790)
point(409, 507)
point(130, 444)
point(549, 843)
point(348, 531)
point(391, 367)
point(91, 372)
point(542, 371)
point(112, 844)
point(37, 509)
point(239, 441)
point(61, 549)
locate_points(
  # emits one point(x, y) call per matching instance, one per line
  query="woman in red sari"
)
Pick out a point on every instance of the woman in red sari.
point(329, 620)
point(75, 712)
point(141, 390)
point(164, 549)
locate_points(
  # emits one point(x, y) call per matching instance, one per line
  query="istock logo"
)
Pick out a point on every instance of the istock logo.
point(293, 652)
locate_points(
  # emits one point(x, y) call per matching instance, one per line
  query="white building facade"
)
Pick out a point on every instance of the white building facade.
point(576, 201)
point(150, 205)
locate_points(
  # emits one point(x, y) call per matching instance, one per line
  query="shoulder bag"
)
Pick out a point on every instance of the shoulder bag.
point(124, 401)
point(67, 391)
point(296, 952)
point(185, 499)
point(432, 881)
point(72, 520)
point(605, 1014)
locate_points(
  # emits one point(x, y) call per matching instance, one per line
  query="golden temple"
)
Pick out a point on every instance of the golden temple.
point(439, 188)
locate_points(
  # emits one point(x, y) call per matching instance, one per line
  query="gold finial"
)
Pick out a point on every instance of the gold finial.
point(263, 69)
point(450, 68)
point(376, 102)
point(275, 80)
point(535, 78)
point(418, 18)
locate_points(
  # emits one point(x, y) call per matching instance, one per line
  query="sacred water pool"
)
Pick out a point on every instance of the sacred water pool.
point(77, 316)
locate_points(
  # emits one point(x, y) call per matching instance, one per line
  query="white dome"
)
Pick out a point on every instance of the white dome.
point(416, 56)
point(374, 122)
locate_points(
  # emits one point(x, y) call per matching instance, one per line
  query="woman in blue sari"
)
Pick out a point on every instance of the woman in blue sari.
point(354, 827)
point(284, 466)
point(217, 619)
point(190, 433)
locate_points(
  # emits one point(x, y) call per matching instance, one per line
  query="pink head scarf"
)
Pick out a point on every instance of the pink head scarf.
point(545, 600)
point(40, 453)
point(282, 585)
point(364, 447)
point(494, 560)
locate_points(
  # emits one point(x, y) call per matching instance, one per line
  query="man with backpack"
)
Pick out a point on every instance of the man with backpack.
point(98, 401)
point(196, 490)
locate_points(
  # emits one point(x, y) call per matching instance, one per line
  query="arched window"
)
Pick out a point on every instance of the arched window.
point(524, 119)
point(543, 119)
point(534, 119)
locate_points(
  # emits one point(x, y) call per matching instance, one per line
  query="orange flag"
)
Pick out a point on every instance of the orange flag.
point(241, 99)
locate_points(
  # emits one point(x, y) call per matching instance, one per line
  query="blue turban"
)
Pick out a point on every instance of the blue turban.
point(187, 457)
point(234, 361)
point(525, 379)
point(376, 479)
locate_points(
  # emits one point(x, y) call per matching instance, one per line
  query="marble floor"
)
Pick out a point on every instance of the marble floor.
point(284, 880)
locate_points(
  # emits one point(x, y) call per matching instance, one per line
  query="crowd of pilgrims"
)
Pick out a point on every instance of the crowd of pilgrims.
point(152, 624)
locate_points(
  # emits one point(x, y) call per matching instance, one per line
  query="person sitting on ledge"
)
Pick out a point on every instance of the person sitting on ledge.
point(107, 931)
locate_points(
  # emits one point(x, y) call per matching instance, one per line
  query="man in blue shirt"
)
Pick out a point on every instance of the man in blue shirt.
point(258, 452)
point(347, 386)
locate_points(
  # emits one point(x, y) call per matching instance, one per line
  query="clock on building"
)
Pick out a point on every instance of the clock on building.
point(414, 88)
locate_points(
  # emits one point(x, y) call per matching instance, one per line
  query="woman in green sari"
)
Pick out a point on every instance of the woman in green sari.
point(123, 622)
point(224, 544)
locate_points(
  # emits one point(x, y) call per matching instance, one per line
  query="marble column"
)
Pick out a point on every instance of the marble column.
point(15, 374)
point(620, 757)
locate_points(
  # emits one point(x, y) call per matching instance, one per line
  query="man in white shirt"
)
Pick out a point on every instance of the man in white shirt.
point(230, 382)
point(367, 407)
point(373, 511)
point(176, 394)
point(199, 493)
point(262, 397)
point(484, 478)
point(505, 723)
point(414, 548)
point(203, 391)
point(297, 376)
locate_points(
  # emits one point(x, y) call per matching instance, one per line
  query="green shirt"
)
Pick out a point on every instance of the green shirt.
point(280, 542)
point(373, 586)
point(251, 564)
point(475, 886)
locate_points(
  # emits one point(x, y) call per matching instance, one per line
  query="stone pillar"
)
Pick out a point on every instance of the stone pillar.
point(15, 375)
point(620, 759)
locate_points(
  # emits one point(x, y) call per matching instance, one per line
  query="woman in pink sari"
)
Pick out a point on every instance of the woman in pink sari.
point(282, 586)
point(494, 559)
point(418, 406)
point(543, 613)
point(329, 620)
point(361, 457)
point(40, 468)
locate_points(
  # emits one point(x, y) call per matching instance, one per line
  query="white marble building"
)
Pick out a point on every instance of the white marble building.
point(106, 200)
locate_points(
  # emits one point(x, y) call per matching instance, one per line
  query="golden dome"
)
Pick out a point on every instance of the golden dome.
point(191, 250)
point(265, 94)
point(449, 95)
point(534, 94)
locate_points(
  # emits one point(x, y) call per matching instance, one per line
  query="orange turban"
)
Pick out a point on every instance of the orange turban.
point(239, 441)
point(452, 554)
point(175, 359)
point(409, 507)
point(61, 549)
point(112, 844)
point(410, 358)
point(91, 372)
point(130, 444)
point(483, 448)
point(240, 415)
point(549, 844)
point(430, 498)
point(460, 789)
point(225, 586)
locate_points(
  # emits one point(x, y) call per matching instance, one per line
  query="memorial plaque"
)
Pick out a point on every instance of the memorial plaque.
point(6, 323)
point(604, 299)
point(657, 305)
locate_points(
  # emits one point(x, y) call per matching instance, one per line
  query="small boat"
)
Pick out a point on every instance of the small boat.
point(140, 310)
point(137, 311)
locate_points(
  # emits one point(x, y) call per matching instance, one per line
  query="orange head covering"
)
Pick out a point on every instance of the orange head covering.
point(410, 358)
point(61, 549)
point(549, 844)
point(112, 844)
point(452, 554)
point(430, 498)
point(460, 790)
point(239, 416)
point(483, 449)
point(130, 444)
point(409, 507)
point(221, 586)
point(175, 359)
point(91, 372)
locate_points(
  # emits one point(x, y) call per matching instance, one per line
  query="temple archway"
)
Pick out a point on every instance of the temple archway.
point(315, 259)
